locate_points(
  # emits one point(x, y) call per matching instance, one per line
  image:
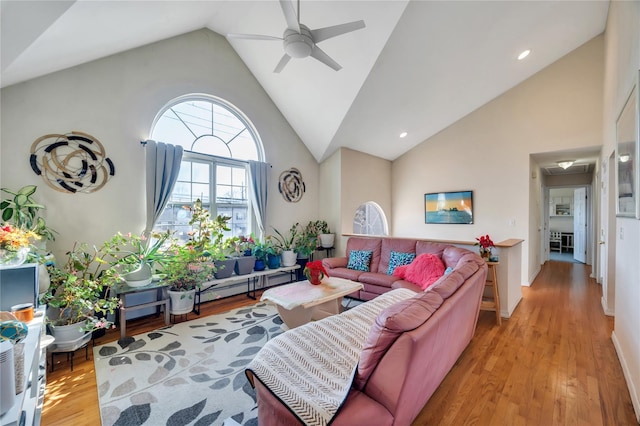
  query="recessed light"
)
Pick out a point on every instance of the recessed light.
point(403, 134)
point(524, 54)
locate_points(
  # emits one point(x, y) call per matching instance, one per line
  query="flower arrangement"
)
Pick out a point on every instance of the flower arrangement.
point(485, 244)
point(315, 272)
point(14, 244)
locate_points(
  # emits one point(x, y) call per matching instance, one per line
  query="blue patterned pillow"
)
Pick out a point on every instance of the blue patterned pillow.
point(398, 259)
point(359, 260)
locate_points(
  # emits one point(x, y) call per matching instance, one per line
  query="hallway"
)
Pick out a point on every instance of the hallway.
point(553, 362)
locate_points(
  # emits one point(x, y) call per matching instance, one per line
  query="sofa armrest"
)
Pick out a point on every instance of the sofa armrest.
point(335, 262)
point(406, 284)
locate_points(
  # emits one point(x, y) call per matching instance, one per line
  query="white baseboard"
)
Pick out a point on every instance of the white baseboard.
point(608, 312)
point(635, 397)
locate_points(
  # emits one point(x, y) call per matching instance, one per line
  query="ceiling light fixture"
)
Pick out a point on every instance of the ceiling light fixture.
point(403, 134)
point(524, 54)
point(565, 164)
point(624, 158)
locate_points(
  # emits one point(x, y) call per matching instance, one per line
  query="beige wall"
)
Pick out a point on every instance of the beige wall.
point(559, 108)
point(116, 99)
point(622, 61)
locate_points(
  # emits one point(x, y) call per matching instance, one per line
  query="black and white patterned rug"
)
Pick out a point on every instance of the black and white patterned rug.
point(190, 373)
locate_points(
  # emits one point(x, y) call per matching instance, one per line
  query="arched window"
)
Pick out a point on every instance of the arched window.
point(218, 140)
point(370, 220)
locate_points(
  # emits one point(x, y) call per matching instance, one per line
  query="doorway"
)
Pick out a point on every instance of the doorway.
point(568, 223)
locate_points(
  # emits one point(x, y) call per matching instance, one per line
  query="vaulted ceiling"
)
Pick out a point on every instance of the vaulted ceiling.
point(417, 66)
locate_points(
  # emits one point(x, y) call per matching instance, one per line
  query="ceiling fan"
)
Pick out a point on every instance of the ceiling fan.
point(299, 41)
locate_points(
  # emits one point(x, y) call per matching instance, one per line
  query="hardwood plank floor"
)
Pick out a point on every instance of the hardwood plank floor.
point(551, 363)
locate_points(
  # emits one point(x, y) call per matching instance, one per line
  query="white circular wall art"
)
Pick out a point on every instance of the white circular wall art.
point(75, 162)
point(291, 185)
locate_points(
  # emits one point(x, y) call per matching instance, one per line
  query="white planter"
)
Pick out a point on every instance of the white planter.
point(181, 301)
point(44, 280)
point(327, 240)
point(69, 337)
point(140, 277)
point(289, 258)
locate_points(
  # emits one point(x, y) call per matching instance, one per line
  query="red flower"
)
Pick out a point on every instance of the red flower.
point(485, 241)
point(315, 268)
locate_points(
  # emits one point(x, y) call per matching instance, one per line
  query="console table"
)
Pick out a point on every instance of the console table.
point(252, 280)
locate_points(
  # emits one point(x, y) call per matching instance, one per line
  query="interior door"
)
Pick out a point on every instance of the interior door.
point(580, 224)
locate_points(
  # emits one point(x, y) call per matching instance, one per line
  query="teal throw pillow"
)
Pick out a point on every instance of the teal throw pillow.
point(398, 259)
point(359, 260)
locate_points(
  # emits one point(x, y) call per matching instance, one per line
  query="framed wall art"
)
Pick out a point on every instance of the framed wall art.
point(627, 176)
point(449, 207)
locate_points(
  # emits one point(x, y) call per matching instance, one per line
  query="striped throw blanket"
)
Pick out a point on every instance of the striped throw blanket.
point(311, 368)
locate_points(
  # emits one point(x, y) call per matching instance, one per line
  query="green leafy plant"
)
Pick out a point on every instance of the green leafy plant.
point(23, 212)
point(285, 242)
point(306, 241)
point(133, 249)
point(186, 270)
point(80, 288)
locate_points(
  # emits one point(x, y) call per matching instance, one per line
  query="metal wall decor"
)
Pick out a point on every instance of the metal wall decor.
point(291, 185)
point(75, 162)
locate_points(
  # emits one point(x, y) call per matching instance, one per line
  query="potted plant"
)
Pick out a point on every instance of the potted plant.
point(273, 254)
point(326, 238)
point(185, 273)
point(139, 255)
point(315, 272)
point(14, 245)
point(260, 252)
point(286, 243)
point(485, 244)
point(78, 297)
point(243, 253)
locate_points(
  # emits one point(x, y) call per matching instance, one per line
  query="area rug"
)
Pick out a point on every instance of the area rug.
point(190, 373)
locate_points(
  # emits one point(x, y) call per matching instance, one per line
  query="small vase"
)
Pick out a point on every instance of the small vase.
point(485, 253)
point(315, 277)
point(9, 259)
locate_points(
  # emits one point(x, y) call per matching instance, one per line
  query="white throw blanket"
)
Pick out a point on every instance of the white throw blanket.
point(311, 368)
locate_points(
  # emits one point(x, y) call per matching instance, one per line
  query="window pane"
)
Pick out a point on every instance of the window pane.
point(201, 172)
point(201, 191)
point(223, 175)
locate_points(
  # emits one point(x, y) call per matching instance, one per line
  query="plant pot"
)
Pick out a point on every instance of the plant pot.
point(245, 264)
point(140, 277)
point(10, 259)
point(224, 268)
point(181, 301)
point(288, 258)
point(273, 261)
point(259, 265)
point(69, 337)
point(327, 240)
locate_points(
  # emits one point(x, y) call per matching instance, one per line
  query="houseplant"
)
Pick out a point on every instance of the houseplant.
point(286, 243)
point(485, 244)
point(273, 254)
point(325, 238)
point(185, 272)
point(23, 212)
point(260, 252)
point(315, 272)
point(243, 254)
point(78, 298)
point(139, 255)
point(14, 245)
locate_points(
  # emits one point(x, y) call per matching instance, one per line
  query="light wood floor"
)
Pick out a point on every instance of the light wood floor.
point(551, 363)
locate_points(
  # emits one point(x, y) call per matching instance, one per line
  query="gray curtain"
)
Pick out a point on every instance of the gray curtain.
point(163, 166)
point(259, 174)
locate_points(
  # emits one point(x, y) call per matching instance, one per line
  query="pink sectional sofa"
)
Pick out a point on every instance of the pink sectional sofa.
point(410, 347)
point(377, 281)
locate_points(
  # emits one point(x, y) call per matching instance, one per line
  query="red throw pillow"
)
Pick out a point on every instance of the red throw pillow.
point(426, 269)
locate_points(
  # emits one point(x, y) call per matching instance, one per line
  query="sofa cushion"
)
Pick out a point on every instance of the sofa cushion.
point(389, 325)
point(430, 247)
point(366, 243)
point(402, 245)
point(347, 274)
point(398, 258)
point(424, 270)
point(452, 255)
point(375, 278)
point(360, 260)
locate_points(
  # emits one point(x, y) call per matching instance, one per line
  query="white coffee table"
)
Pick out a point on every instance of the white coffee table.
point(300, 302)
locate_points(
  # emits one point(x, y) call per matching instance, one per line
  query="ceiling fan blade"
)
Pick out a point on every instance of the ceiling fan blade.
point(253, 37)
point(324, 58)
point(335, 30)
point(290, 15)
point(284, 61)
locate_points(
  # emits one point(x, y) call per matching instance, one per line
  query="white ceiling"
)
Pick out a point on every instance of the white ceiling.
point(418, 66)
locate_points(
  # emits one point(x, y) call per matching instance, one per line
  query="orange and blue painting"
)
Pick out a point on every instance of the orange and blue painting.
point(449, 207)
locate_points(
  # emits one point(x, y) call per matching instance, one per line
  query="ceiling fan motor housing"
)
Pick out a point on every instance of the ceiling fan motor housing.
point(298, 45)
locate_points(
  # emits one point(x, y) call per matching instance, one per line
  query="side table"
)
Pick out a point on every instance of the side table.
point(492, 302)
